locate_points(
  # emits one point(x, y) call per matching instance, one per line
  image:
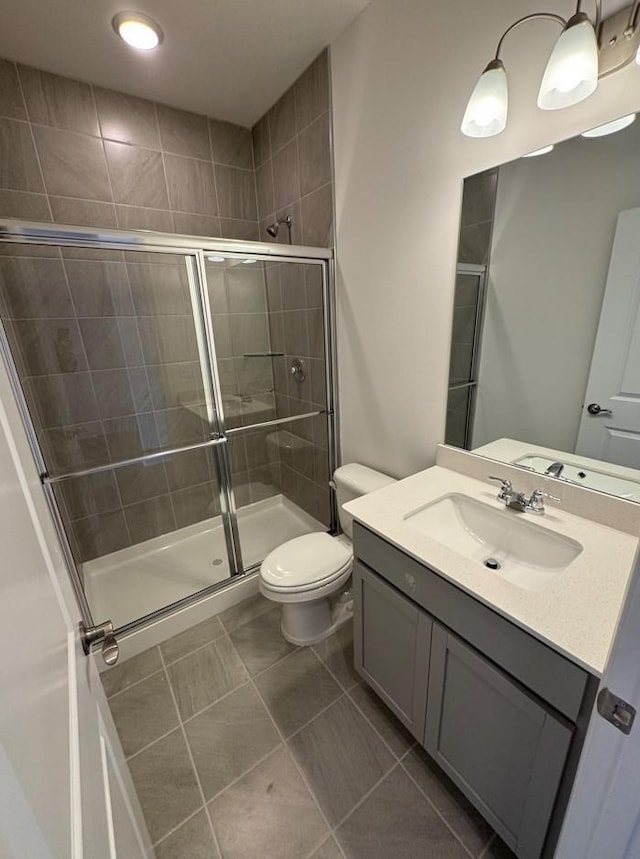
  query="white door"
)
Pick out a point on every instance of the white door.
point(603, 817)
point(613, 434)
point(64, 789)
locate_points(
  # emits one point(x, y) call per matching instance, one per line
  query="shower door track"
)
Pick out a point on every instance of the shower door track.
point(194, 249)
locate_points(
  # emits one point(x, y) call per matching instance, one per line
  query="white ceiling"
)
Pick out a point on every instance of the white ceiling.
point(230, 59)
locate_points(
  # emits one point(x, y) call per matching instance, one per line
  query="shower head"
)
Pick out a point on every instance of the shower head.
point(272, 229)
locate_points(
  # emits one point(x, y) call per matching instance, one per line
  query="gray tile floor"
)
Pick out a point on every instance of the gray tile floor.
point(241, 745)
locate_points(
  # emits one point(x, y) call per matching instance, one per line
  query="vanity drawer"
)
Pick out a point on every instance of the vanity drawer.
point(541, 669)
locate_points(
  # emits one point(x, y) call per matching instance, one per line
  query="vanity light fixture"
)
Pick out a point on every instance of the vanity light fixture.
point(138, 30)
point(537, 152)
point(610, 127)
point(583, 53)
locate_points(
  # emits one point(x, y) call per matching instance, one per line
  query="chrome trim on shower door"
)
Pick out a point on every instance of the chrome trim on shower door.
point(18, 392)
point(227, 496)
point(34, 232)
point(213, 398)
point(330, 358)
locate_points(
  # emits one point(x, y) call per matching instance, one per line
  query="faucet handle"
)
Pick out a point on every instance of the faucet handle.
point(506, 484)
point(540, 494)
point(536, 504)
point(506, 490)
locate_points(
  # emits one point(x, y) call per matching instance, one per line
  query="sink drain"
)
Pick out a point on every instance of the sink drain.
point(492, 564)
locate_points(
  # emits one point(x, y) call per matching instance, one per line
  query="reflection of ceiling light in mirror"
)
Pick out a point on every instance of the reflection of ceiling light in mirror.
point(138, 30)
point(249, 261)
point(610, 127)
point(215, 259)
point(537, 152)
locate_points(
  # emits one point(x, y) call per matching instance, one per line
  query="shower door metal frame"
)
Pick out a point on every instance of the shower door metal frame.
point(193, 249)
point(480, 271)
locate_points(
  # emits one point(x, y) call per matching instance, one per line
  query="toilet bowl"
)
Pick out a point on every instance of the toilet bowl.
point(307, 574)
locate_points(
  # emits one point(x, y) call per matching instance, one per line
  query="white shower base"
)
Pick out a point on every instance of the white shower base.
point(141, 579)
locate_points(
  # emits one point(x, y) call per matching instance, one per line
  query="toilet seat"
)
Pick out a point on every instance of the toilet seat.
point(305, 564)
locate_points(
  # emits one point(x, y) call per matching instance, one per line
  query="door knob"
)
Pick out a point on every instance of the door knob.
point(594, 409)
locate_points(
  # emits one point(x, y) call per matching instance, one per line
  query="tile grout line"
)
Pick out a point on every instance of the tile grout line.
point(375, 730)
point(152, 743)
point(398, 758)
point(364, 798)
point(279, 746)
point(164, 164)
point(189, 752)
point(182, 822)
point(436, 810)
point(33, 139)
point(293, 760)
point(485, 851)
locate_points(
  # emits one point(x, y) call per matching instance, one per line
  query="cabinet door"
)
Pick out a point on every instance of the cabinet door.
point(503, 749)
point(391, 645)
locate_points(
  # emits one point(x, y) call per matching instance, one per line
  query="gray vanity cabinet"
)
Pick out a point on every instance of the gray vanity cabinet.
point(391, 647)
point(500, 745)
point(500, 711)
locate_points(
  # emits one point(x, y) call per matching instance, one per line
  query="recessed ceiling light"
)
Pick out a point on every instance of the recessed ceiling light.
point(611, 127)
point(138, 30)
point(537, 152)
point(216, 259)
point(248, 261)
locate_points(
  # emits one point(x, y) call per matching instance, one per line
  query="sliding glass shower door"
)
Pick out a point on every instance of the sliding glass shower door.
point(269, 326)
point(112, 365)
point(177, 402)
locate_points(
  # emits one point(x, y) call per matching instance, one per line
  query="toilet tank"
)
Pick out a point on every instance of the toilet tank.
point(351, 482)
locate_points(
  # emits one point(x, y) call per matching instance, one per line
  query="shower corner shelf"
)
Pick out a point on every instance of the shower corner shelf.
point(263, 354)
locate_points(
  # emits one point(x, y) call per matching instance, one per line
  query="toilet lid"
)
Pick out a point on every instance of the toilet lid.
point(304, 561)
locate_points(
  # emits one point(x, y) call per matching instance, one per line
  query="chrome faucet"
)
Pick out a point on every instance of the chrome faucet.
point(518, 501)
point(555, 469)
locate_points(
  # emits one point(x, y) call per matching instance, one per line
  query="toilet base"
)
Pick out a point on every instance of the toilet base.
point(308, 623)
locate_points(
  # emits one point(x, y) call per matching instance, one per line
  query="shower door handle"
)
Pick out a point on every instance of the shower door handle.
point(101, 634)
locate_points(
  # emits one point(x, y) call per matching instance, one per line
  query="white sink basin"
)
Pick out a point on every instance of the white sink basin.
point(503, 542)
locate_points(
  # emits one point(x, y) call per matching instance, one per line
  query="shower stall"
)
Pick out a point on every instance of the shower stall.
point(178, 395)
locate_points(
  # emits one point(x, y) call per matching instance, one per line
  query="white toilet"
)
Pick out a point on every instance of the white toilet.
point(304, 573)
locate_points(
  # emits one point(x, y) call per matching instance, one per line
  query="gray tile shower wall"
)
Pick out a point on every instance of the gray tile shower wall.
point(292, 155)
point(104, 341)
point(294, 296)
point(478, 204)
point(78, 154)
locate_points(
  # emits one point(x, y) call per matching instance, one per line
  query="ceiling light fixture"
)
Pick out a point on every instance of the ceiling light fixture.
point(583, 53)
point(537, 152)
point(138, 30)
point(216, 259)
point(610, 127)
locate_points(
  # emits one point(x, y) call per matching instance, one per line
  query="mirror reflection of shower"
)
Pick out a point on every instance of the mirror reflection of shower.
point(272, 229)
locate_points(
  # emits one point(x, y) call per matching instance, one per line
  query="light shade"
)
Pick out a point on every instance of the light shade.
point(486, 112)
point(572, 71)
point(610, 127)
point(138, 30)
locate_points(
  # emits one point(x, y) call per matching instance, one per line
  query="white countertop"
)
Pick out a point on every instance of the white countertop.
point(576, 614)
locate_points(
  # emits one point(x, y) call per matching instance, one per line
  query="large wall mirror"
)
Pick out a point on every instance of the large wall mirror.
point(545, 354)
